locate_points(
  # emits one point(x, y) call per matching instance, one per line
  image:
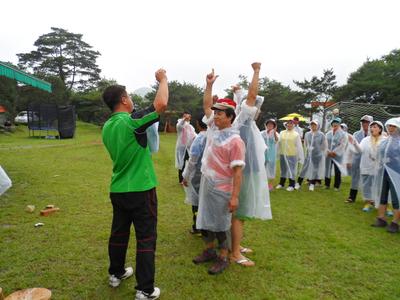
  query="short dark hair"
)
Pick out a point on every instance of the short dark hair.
point(230, 113)
point(112, 95)
point(201, 123)
point(187, 112)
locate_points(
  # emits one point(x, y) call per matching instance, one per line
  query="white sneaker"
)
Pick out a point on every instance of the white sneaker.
point(140, 295)
point(278, 187)
point(336, 189)
point(290, 189)
point(115, 281)
point(311, 188)
point(297, 186)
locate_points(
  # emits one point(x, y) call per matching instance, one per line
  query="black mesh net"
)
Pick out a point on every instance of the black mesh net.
point(50, 117)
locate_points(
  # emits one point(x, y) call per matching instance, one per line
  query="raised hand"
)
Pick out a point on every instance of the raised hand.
point(235, 87)
point(161, 75)
point(256, 66)
point(211, 77)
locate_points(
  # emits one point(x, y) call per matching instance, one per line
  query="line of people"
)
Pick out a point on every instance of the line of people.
point(371, 156)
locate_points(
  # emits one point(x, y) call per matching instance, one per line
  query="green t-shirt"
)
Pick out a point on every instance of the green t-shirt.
point(124, 136)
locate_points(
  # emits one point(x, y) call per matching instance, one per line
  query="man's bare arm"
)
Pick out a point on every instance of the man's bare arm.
point(253, 88)
point(161, 99)
point(207, 98)
point(237, 181)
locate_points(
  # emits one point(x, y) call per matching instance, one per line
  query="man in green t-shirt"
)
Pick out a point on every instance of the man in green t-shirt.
point(132, 190)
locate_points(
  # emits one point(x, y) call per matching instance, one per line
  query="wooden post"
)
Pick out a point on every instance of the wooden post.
point(1, 294)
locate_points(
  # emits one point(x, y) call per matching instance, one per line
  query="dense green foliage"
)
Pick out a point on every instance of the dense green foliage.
point(376, 81)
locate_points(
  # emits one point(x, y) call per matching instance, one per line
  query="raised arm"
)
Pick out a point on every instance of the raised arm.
point(207, 98)
point(161, 99)
point(253, 88)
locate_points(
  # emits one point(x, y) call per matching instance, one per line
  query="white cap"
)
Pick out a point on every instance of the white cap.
point(394, 122)
point(367, 118)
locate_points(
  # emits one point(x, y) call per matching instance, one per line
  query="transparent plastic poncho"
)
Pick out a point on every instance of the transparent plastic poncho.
point(192, 171)
point(315, 146)
point(270, 153)
point(389, 161)
point(153, 139)
point(254, 200)
point(337, 142)
point(224, 150)
point(368, 151)
point(5, 181)
point(354, 158)
point(291, 153)
point(185, 137)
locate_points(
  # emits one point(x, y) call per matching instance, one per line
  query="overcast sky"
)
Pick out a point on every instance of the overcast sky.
point(293, 39)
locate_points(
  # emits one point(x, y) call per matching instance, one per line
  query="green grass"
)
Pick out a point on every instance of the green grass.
point(316, 247)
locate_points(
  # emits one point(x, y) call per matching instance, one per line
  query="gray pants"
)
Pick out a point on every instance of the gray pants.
point(210, 236)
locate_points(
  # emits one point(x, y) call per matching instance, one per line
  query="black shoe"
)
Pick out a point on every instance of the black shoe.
point(380, 223)
point(220, 265)
point(207, 255)
point(393, 227)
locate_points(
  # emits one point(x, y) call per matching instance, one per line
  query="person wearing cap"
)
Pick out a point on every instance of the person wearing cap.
point(185, 137)
point(254, 201)
point(337, 142)
point(192, 172)
point(222, 164)
point(271, 139)
point(387, 179)
point(290, 154)
point(359, 135)
point(315, 146)
point(368, 149)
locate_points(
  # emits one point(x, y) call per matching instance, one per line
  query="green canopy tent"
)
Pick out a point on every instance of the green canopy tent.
point(21, 76)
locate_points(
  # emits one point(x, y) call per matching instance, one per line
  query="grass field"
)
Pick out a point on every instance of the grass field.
point(316, 247)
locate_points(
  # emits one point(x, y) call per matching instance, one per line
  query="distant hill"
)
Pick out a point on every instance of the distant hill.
point(143, 91)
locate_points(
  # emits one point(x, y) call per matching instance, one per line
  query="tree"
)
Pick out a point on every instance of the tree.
point(279, 100)
point(66, 55)
point(320, 89)
point(182, 97)
point(376, 81)
point(90, 106)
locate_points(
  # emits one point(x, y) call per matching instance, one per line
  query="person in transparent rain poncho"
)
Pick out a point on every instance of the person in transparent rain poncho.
point(348, 153)
point(368, 151)
point(356, 157)
point(192, 172)
point(186, 135)
point(387, 179)
point(315, 146)
point(222, 164)
point(291, 153)
point(337, 143)
point(271, 138)
point(254, 202)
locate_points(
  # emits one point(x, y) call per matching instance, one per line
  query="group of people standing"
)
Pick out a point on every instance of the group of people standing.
point(225, 169)
point(318, 157)
point(371, 156)
point(224, 175)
